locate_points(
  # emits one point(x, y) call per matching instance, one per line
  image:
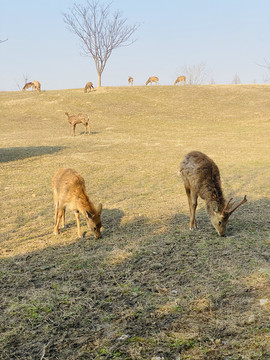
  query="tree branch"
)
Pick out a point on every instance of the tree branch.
point(99, 31)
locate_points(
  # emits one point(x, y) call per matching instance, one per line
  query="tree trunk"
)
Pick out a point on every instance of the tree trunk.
point(99, 79)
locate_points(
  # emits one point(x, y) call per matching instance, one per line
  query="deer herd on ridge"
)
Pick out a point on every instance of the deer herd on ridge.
point(35, 85)
point(199, 173)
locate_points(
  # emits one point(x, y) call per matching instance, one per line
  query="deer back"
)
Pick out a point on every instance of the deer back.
point(69, 188)
point(28, 85)
point(82, 118)
point(201, 174)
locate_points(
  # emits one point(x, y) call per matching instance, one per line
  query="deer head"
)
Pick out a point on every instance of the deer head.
point(94, 222)
point(220, 219)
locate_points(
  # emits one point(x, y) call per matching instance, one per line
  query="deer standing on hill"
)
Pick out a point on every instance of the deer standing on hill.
point(69, 191)
point(88, 86)
point(78, 119)
point(152, 79)
point(179, 79)
point(130, 80)
point(201, 178)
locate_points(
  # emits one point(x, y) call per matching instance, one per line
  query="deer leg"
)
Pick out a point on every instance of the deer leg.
point(55, 212)
point(193, 206)
point(73, 129)
point(59, 215)
point(77, 215)
point(192, 203)
point(189, 203)
point(64, 218)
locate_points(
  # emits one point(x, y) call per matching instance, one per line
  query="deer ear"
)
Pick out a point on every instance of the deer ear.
point(215, 206)
point(99, 209)
point(88, 215)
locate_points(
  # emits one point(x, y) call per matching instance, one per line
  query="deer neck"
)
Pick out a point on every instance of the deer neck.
point(84, 203)
point(214, 198)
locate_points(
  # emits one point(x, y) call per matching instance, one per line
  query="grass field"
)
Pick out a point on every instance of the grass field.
point(149, 288)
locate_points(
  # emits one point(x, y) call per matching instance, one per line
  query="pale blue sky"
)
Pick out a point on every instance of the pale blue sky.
point(229, 36)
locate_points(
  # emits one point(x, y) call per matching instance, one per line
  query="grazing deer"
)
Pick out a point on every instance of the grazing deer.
point(152, 79)
point(201, 178)
point(78, 119)
point(179, 79)
point(130, 80)
point(33, 84)
point(69, 191)
point(89, 86)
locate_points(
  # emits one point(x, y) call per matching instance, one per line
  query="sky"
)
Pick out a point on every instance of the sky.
point(229, 36)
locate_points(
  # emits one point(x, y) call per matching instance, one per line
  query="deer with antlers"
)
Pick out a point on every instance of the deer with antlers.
point(202, 178)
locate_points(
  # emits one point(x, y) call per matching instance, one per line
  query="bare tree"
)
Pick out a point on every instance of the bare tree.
point(26, 78)
point(99, 30)
point(196, 74)
point(236, 79)
point(266, 78)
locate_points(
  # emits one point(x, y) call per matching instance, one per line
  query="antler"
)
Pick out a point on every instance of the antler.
point(236, 206)
point(226, 208)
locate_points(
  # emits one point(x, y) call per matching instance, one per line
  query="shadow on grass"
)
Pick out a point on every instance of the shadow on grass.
point(72, 303)
point(20, 153)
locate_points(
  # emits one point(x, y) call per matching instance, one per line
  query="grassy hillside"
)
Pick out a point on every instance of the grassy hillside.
point(149, 288)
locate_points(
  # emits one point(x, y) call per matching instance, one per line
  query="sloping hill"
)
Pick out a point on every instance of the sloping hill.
point(149, 287)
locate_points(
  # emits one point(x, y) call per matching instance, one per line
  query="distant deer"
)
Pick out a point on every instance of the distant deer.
point(89, 86)
point(69, 191)
point(37, 85)
point(33, 84)
point(152, 79)
point(201, 178)
point(179, 79)
point(130, 80)
point(78, 119)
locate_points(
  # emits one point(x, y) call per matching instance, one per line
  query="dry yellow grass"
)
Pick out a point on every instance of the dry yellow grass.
point(130, 164)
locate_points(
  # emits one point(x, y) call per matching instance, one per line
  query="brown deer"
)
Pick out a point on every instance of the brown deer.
point(88, 86)
point(179, 79)
point(78, 119)
point(201, 178)
point(35, 85)
point(130, 80)
point(69, 191)
point(152, 79)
